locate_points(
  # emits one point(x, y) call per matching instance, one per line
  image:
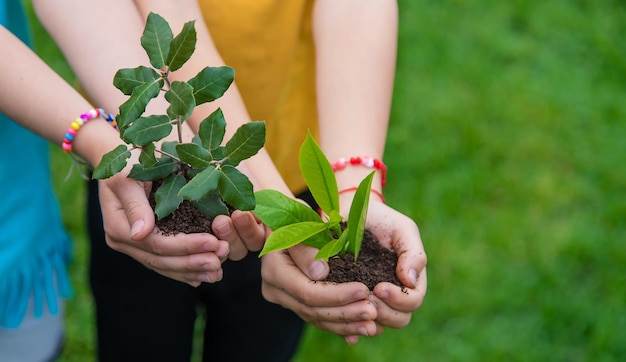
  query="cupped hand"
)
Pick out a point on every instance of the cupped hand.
point(400, 233)
point(344, 309)
point(129, 227)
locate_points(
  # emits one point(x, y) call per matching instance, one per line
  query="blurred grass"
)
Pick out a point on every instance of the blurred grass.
point(507, 147)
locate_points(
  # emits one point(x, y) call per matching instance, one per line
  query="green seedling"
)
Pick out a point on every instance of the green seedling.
point(293, 222)
point(202, 170)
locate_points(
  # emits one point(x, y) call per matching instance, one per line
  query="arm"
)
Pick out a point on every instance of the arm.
point(93, 52)
point(356, 52)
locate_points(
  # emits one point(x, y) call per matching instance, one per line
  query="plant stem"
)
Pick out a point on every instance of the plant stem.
point(179, 128)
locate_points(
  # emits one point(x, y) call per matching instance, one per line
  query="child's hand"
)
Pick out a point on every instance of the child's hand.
point(129, 227)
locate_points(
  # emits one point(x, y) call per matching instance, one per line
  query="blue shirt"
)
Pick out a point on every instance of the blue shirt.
point(34, 247)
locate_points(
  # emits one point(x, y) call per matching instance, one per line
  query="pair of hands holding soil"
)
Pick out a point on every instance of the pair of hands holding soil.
point(349, 310)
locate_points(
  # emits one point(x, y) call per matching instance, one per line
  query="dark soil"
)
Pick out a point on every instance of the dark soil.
point(186, 219)
point(375, 264)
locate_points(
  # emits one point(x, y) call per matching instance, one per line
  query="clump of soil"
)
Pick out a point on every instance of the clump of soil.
point(375, 264)
point(185, 219)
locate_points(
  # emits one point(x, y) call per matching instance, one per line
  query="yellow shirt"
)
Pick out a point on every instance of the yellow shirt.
point(269, 44)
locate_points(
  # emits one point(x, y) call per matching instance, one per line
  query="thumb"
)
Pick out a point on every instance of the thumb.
point(304, 257)
point(131, 197)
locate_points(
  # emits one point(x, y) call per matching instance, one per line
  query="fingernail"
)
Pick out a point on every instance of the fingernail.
point(222, 229)
point(384, 295)
point(413, 277)
point(362, 331)
point(364, 317)
point(316, 270)
point(137, 226)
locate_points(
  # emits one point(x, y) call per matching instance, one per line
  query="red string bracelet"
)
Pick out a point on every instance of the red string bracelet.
point(378, 193)
point(366, 161)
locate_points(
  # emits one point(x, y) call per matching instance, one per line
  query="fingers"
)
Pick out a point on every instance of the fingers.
point(188, 268)
point(242, 231)
point(304, 258)
point(250, 229)
point(122, 193)
point(343, 309)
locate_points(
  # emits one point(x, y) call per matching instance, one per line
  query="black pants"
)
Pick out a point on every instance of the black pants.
point(143, 316)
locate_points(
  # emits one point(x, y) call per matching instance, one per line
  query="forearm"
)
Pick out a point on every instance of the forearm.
point(356, 44)
point(97, 39)
point(33, 95)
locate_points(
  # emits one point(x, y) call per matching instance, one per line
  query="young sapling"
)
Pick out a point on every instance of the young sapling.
point(202, 170)
point(293, 222)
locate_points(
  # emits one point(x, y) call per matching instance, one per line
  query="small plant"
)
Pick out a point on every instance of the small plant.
point(294, 222)
point(201, 171)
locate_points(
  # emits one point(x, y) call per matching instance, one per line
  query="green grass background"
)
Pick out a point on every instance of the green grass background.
point(507, 146)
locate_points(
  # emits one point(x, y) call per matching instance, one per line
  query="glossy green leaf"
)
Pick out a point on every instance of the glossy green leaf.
point(211, 205)
point(211, 83)
point(112, 162)
point(358, 214)
point(194, 155)
point(201, 184)
point(182, 46)
point(148, 129)
point(180, 96)
point(163, 167)
point(318, 175)
point(246, 142)
point(236, 189)
point(147, 157)
point(212, 130)
point(276, 210)
point(333, 248)
point(156, 39)
point(290, 235)
point(134, 106)
point(128, 79)
point(167, 198)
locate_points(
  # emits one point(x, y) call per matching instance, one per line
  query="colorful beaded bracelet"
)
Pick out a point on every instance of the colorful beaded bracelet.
point(80, 121)
point(378, 193)
point(366, 161)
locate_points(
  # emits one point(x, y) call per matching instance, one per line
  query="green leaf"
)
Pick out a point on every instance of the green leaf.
point(236, 189)
point(201, 184)
point(291, 235)
point(163, 167)
point(276, 210)
point(333, 248)
point(127, 80)
point(212, 130)
point(246, 142)
point(167, 198)
point(134, 106)
point(318, 175)
point(169, 147)
point(194, 155)
point(211, 205)
point(112, 162)
point(156, 39)
point(180, 96)
point(219, 153)
point(147, 158)
point(182, 46)
point(149, 129)
point(211, 83)
point(357, 215)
